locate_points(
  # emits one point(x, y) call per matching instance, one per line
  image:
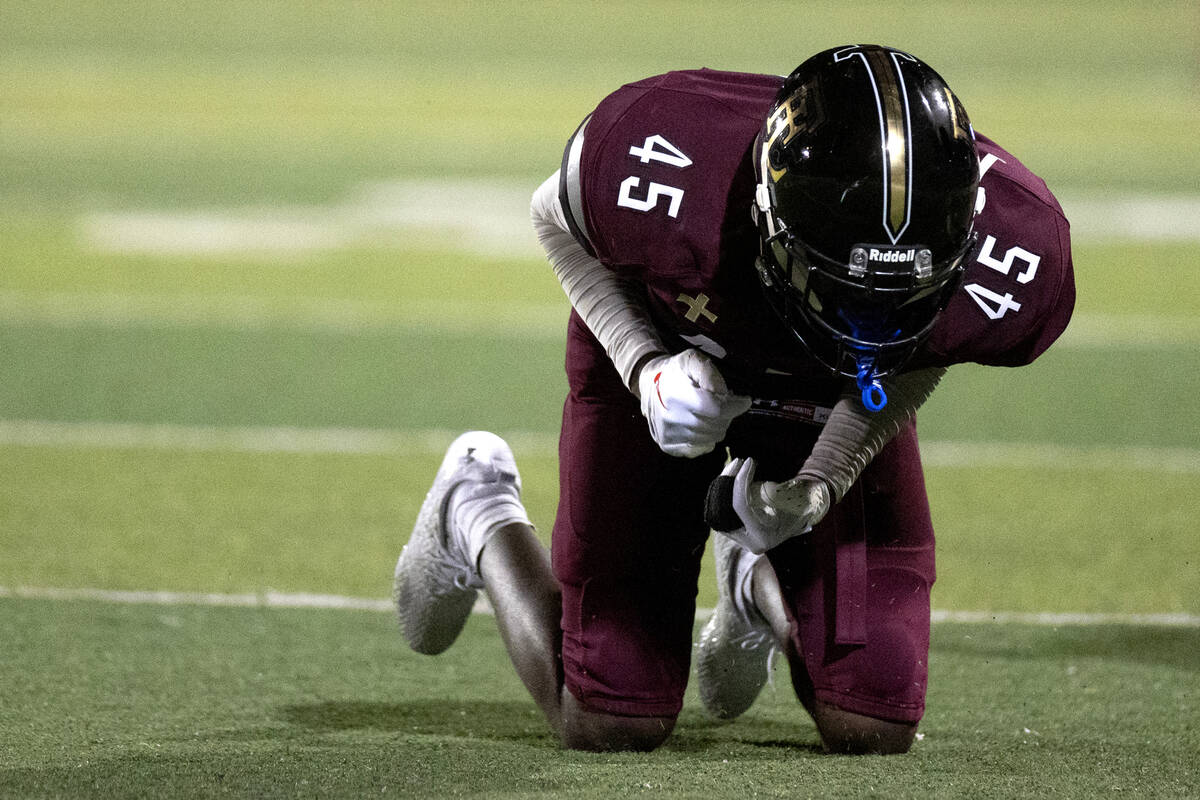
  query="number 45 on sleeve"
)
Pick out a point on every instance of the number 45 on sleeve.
point(658, 149)
point(994, 304)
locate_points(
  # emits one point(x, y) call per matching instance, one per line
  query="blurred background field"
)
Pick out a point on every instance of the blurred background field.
point(261, 261)
point(229, 216)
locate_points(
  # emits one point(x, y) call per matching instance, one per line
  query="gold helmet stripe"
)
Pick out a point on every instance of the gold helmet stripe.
point(895, 132)
point(896, 138)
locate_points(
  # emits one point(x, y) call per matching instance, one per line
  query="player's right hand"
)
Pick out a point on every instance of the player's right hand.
point(686, 403)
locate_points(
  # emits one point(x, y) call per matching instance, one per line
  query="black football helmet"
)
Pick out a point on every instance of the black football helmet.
point(867, 180)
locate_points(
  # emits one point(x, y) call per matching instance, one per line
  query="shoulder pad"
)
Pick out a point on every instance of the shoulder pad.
point(570, 188)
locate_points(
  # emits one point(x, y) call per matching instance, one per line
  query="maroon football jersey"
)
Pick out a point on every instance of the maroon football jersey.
point(658, 183)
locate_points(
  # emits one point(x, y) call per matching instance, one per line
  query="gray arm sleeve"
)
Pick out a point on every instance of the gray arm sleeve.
point(613, 308)
point(853, 436)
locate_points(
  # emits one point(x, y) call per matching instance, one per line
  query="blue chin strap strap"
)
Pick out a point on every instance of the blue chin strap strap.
point(874, 398)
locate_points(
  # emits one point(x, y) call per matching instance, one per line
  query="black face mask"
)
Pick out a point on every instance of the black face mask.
point(862, 319)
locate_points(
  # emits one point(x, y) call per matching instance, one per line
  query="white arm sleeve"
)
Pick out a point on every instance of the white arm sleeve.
point(853, 436)
point(613, 308)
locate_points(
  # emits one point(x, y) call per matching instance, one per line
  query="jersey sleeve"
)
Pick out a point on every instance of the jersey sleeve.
point(646, 179)
point(1018, 290)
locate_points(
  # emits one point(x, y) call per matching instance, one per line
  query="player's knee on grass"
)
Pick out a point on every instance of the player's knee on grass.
point(583, 729)
point(888, 666)
point(854, 734)
point(873, 678)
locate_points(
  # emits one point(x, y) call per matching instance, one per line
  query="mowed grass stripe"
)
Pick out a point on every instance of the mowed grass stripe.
point(339, 602)
point(539, 320)
point(317, 314)
point(353, 441)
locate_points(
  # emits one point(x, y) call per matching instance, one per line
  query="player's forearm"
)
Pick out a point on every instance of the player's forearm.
point(613, 309)
point(853, 436)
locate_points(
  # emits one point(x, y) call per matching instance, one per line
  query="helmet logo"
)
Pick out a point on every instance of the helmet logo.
point(895, 131)
point(799, 113)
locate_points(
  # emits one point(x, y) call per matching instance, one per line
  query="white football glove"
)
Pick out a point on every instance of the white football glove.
point(772, 513)
point(686, 403)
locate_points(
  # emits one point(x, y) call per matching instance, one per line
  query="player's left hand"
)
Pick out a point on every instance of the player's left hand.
point(770, 512)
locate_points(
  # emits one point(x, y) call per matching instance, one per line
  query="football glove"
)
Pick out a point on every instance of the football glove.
point(771, 513)
point(686, 403)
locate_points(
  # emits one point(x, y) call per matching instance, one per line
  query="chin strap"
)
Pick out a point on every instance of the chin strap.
point(874, 398)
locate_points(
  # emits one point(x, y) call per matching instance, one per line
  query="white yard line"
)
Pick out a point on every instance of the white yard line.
point(356, 441)
point(1181, 460)
point(309, 441)
point(486, 217)
point(162, 598)
point(271, 599)
point(1132, 217)
point(1130, 331)
point(491, 217)
point(1056, 619)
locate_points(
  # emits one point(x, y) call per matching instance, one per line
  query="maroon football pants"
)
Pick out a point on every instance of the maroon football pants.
point(629, 536)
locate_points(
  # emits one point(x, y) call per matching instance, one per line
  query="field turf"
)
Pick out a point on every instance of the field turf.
point(259, 262)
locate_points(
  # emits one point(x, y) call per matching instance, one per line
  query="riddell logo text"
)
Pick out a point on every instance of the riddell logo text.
point(891, 256)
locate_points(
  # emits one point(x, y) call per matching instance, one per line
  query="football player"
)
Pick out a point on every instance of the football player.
point(767, 277)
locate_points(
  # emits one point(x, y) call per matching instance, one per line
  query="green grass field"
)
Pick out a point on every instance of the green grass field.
point(260, 262)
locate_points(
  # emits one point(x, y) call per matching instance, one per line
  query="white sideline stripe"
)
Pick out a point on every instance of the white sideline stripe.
point(353, 441)
point(338, 602)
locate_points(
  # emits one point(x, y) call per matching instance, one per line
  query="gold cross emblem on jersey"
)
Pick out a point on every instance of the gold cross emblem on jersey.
point(697, 307)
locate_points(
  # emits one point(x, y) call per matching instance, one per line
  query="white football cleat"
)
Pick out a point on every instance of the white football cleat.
point(733, 654)
point(436, 581)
